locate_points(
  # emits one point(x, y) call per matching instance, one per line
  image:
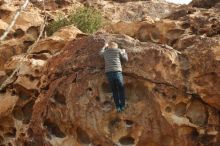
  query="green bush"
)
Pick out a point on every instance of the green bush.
point(56, 25)
point(88, 20)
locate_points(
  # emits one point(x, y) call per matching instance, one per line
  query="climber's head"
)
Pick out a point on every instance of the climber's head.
point(113, 45)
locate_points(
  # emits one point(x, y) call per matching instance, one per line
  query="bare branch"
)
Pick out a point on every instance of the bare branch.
point(14, 20)
point(41, 29)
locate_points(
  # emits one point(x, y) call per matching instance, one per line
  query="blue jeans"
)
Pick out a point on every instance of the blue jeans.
point(117, 86)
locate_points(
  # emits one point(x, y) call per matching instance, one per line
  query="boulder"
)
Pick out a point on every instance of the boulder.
point(77, 82)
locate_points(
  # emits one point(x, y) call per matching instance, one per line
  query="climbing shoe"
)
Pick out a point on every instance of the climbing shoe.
point(118, 110)
point(124, 107)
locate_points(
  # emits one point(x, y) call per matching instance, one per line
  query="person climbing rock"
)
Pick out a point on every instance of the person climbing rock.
point(113, 57)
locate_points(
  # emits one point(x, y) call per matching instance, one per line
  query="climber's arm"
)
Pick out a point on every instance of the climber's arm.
point(103, 50)
point(123, 55)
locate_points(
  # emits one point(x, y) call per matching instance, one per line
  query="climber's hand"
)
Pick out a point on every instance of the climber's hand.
point(106, 45)
point(123, 50)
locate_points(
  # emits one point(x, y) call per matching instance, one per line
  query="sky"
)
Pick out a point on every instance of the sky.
point(180, 1)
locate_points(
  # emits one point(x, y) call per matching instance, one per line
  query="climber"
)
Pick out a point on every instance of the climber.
point(113, 57)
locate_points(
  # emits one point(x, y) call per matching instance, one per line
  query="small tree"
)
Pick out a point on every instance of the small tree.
point(56, 25)
point(86, 19)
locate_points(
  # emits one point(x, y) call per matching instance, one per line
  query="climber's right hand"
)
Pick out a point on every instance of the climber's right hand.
point(106, 45)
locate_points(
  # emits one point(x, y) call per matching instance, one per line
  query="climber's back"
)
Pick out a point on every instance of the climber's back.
point(113, 56)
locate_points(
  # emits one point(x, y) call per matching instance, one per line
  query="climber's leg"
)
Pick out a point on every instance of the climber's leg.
point(121, 90)
point(113, 84)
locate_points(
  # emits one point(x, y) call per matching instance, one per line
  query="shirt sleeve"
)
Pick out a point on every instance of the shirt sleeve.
point(123, 55)
point(101, 52)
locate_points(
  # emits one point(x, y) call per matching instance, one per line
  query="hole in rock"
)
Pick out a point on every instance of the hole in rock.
point(54, 129)
point(180, 109)
point(185, 25)
point(9, 144)
point(24, 93)
point(59, 2)
point(17, 113)
point(30, 132)
point(196, 96)
point(82, 136)
point(127, 140)
point(27, 44)
point(114, 123)
point(27, 111)
point(2, 32)
point(33, 31)
point(43, 51)
point(37, 71)
point(164, 94)
point(107, 106)
point(19, 33)
point(36, 94)
point(13, 92)
point(11, 133)
point(97, 98)
point(168, 109)
point(106, 88)
point(206, 139)
point(22, 134)
point(173, 97)
point(60, 98)
point(2, 91)
point(4, 14)
point(129, 123)
point(89, 89)
point(173, 66)
point(197, 112)
point(194, 134)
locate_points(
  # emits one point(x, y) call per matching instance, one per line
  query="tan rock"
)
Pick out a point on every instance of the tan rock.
point(28, 18)
point(31, 67)
point(27, 83)
point(2, 76)
point(3, 25)
point(7, 51)
point(184, 42)
point(7, 104)
point(50, 45)
point(68, 33)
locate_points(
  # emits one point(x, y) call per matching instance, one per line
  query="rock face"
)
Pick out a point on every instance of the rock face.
point(180, 29)
point(134, 10)
point(166, 104)
point(204, 3)
point(60, 95)
point(23, 34)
